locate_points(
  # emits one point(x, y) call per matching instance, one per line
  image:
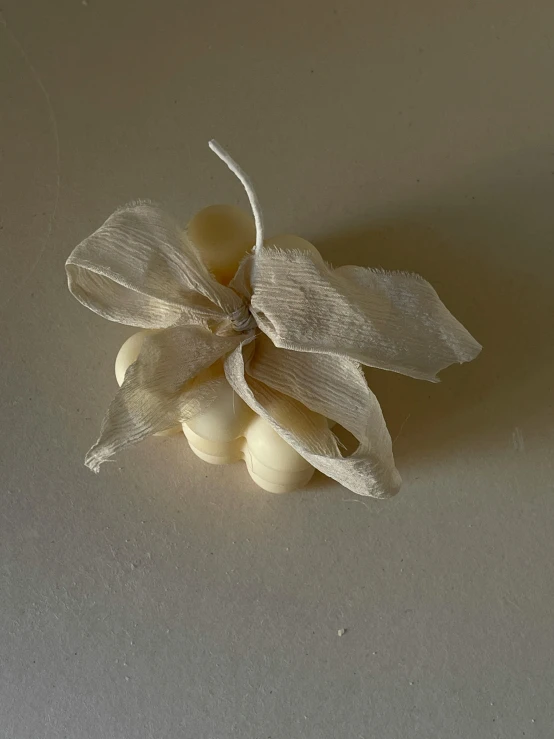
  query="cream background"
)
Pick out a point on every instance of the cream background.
point(166, 598)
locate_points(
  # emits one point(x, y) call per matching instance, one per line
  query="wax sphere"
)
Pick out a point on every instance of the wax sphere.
point(271, 462)
point(223, 234)
point(290, 242)
point(127, 355)
point(229, 431)
point(225, 419)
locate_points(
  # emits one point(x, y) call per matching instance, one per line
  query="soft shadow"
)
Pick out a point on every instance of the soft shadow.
point(487, 247)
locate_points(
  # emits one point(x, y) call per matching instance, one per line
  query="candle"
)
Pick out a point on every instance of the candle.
point(229, 430)
point(288, 331)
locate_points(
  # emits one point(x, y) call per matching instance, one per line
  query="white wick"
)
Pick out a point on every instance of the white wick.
point(248, 186)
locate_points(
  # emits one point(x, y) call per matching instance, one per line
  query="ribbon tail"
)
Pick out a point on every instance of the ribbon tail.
point(169, 383)
point(300, 417)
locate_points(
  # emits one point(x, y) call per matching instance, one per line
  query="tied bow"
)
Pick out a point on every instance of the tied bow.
point(290, 330)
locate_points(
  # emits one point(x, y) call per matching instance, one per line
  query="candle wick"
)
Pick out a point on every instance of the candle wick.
point(248, 186)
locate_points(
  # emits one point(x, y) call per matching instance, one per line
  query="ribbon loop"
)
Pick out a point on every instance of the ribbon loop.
point(392, 321)
point(138, 269)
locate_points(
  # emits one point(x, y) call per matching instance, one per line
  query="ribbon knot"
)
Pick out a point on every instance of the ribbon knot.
point(316, 325)
point(242, 320)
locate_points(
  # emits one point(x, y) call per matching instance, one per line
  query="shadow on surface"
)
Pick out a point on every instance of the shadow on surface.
point(488, 249)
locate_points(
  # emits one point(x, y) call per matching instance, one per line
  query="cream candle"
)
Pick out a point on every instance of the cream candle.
point(251, 344)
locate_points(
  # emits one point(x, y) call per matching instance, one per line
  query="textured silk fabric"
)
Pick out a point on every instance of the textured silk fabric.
point(292, 332)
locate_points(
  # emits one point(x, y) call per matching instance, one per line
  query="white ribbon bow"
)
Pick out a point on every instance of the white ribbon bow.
point(291, 330)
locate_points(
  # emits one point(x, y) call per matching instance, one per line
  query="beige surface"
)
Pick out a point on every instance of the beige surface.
point(167, 598)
